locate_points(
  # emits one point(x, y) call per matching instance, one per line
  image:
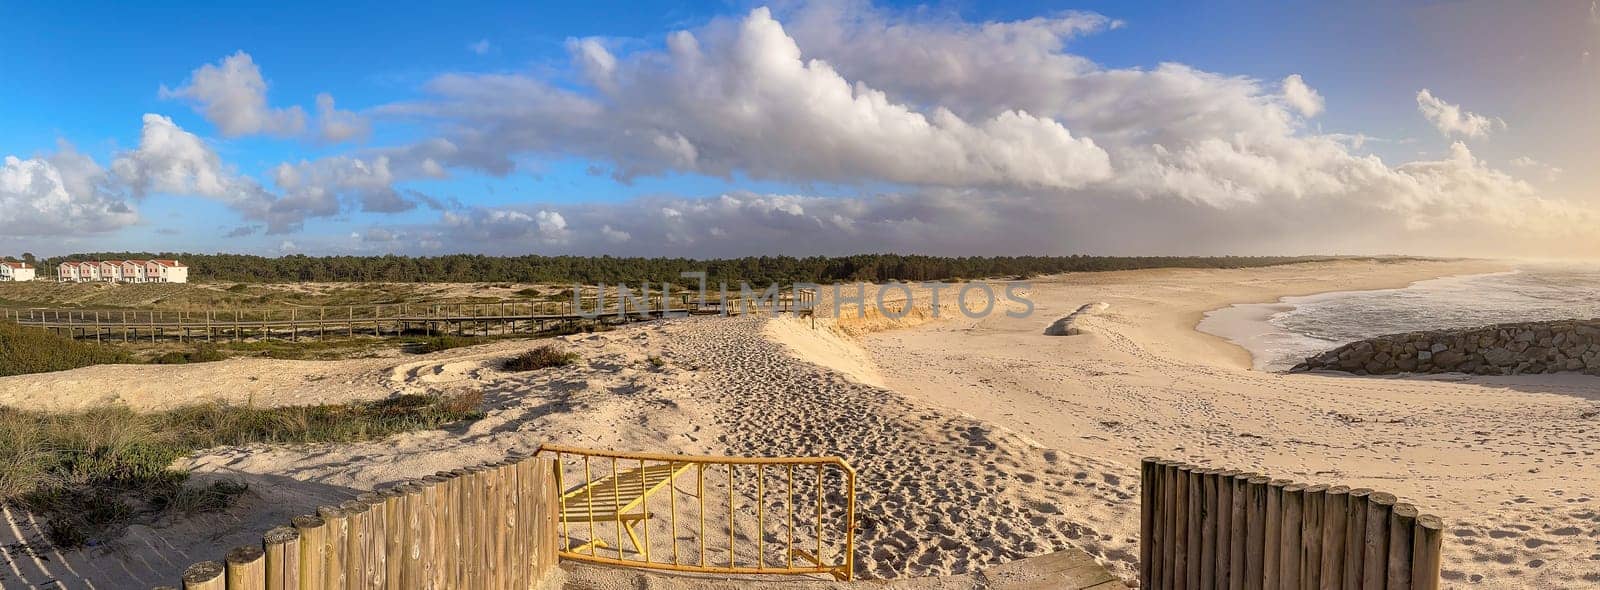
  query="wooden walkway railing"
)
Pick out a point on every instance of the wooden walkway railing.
point(293, 323)
point(491, 526)
point(1214, 529)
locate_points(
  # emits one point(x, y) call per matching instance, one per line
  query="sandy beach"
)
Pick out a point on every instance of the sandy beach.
point(978, 441)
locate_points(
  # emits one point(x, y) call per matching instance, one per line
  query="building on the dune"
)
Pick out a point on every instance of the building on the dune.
point(123, 271)
point(16, 271)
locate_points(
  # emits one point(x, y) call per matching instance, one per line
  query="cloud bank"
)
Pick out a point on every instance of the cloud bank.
point(933, 134)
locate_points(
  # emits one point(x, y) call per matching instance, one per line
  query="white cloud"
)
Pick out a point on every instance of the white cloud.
point(171, 160)
point(1544, 171)
point(369, 181)
point(62, 194)
point(334, 125)
point(233, 96)
point(480, 47)
point(744, 98)
point(1452, 120)
point(1301, 97)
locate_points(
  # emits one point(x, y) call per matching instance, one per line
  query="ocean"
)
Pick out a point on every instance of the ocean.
point(1279, 335)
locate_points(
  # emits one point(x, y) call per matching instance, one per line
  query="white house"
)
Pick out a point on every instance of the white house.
point(16, 271)
point(110, 270)
point(166, 271)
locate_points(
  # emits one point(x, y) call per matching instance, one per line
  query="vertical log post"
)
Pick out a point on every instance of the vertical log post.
point(1195, 518)
point(355, 542)
point(283, 558)
point(1355, 534)
point(1311, 513)
point(1255, 567)
point(313, 548)
point(1292, 505)
point(338, 527)
point(1149, 467)
point(1273, 539)
point(206, 575)
point(247, 568)
point(394, 538)
point(1334, 507)
point(1427, 541)
point(1208, 529)
point(1402, 522)
point(1238, 539)
point(1180, 538)
point(1224, 527)
point(1375, 554)
point(1168, 533)
point(375, 573)
point(411, 571)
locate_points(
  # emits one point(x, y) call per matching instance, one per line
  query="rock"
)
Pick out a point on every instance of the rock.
point(1424, 356)
point(1438, 347)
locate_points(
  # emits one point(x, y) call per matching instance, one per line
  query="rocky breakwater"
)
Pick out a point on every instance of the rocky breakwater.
point(1501, 349)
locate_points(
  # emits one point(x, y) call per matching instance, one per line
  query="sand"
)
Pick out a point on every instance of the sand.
point(978, 441)
point(1508, 462)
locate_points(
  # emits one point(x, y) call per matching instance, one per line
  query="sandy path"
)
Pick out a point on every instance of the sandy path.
point(1509, 463)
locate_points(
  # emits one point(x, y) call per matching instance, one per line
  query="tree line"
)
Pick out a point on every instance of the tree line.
point(468, 268)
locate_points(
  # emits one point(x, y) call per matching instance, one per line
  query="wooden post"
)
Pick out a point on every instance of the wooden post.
point(1334, 506)
point(1355, 537)
point(247, 568)
point(1292, 505)
point(1272, 548)
point(494, 545)
point(1402, 522)
point(412, 574)
point(447, 514)
point(1180, 538)
point(1208, 530)
point(355, 543)
point(333, 556)
point(1311, 509)
point(313, 550)
point(1148, 468)
point(433, 494)
point(206, 575)
point(1239, 521)
point(1223, 524)
point(375, 570)
point(1256, 536)
point(1375, 553)
point(1427, 541)
point(283, 558)
point(394, 535)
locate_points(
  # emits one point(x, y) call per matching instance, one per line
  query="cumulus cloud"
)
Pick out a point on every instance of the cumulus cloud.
point(744, 98)
point(334, 125)
point(480, 47)
point(1301, 97)
point(370, 182)
point(233, 96)
point(62, 193)
point(1452, 120)
point(171, 160)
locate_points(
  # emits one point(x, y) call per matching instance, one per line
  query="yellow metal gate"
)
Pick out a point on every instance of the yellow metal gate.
point(744, 515)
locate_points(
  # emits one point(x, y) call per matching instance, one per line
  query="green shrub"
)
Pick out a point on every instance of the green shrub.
point(33, 350)
point(87, 475)
point(542, 357)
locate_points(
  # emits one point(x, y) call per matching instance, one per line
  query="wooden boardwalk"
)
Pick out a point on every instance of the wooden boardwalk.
point(428, 319)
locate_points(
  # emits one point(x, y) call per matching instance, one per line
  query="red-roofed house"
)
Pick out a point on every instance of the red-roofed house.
point(166, 271)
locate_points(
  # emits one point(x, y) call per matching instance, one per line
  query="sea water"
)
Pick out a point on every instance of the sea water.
point(1279, 335)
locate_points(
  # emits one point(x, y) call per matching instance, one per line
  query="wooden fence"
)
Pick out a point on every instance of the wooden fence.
point(485, 527)
point(1214, 529)
point(293, 323)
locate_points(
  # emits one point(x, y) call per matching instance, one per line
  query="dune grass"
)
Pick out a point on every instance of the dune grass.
point(27, 350)
point(88, 475)
point(543, 357)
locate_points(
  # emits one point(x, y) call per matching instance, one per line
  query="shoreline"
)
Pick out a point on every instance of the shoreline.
point(1248, 326)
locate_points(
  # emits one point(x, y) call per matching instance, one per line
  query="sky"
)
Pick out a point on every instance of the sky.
point(729, 129)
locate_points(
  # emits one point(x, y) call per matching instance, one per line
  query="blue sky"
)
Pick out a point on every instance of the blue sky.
point(1168, 113)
